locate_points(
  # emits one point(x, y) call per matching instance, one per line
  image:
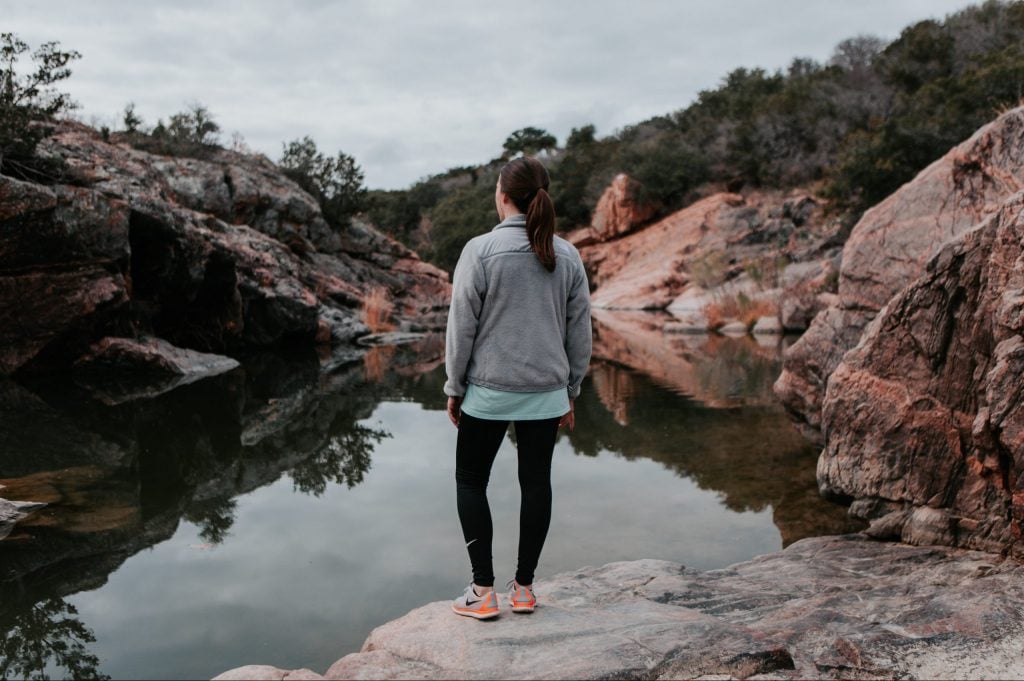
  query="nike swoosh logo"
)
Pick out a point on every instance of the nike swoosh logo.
point(470, 542)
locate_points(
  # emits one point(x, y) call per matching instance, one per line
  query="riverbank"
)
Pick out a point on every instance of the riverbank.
point(825, 607)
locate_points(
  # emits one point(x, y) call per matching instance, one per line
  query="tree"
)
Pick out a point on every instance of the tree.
point(528, 141)
point(26, 100)
point(194, 126)
point(336, 183)
point(132, 120)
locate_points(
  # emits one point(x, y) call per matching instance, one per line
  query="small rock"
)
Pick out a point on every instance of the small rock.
point(733, 328)
point(768, 324)
point(390, 338)
point(13, 511)
point(694, 322)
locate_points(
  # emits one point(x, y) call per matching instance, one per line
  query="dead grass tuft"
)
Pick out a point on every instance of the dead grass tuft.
point(738, 306)
point(377, 309)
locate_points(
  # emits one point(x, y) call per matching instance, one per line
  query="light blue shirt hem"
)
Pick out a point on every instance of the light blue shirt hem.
point(488, 403)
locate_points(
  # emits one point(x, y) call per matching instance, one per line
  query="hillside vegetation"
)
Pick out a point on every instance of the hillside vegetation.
point(852, 129)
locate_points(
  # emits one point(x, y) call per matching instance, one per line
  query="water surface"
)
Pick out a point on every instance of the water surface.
point(276, 514)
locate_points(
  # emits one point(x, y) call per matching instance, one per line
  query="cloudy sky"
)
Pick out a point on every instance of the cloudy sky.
point(410, 87)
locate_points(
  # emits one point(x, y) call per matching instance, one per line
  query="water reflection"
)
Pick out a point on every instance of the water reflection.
point(44, 634)
point(117, 477)
point(121, 476)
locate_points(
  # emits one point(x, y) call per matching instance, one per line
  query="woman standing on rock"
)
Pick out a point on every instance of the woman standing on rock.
point(518, 346)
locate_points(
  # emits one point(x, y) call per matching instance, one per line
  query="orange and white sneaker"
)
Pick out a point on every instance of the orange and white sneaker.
point(521, 597)
point(480, 606)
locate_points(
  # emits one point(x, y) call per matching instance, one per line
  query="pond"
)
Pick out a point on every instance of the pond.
point(277, 513)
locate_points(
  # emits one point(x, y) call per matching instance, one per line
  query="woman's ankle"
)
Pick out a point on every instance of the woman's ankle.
point(481, 590)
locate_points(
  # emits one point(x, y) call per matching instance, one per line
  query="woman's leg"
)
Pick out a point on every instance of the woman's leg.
point(476, 447)
point(536, 442)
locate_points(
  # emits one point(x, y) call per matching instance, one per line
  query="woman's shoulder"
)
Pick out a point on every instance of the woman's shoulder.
point(565, 247)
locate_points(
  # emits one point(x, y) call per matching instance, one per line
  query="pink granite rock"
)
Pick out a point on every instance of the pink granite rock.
point(925, 416)
point(890, 245)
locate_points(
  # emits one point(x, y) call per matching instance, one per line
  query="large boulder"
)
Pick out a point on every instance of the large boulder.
point(925, 416)
point(645, 270)
point(121, 369)
point(619, 210)
point(825, 608)
point(890, 245)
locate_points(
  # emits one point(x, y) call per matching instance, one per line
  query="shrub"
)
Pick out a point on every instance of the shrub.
point(738, 306)
point(192, 133)
point(27, 102)
point(336, 183)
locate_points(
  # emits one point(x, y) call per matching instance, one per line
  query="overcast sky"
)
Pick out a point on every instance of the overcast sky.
point(411, 88)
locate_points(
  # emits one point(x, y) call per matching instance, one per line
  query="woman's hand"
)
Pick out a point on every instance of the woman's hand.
point(570, 418)
point(454, 410)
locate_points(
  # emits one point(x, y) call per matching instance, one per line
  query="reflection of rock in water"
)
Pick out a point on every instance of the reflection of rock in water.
point(119, 478)
point(614, 387)
point(717, 370)
point(738, 442)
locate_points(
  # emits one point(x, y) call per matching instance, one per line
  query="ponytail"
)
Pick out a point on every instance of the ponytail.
point(526, 182)
point(540, 228)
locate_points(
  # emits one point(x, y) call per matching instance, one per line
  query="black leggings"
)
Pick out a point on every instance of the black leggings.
point(478, 443)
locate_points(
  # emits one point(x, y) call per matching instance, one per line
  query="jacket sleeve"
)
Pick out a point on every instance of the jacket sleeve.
point(578, 339)
point(469, 287)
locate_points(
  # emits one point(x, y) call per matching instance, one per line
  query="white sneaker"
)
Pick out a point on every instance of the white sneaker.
point(521, 598)
point(472, 604)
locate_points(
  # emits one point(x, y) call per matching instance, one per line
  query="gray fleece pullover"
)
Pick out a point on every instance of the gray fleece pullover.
point(513, 325)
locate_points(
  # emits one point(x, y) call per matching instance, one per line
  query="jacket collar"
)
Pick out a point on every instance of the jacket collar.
point(518, 220)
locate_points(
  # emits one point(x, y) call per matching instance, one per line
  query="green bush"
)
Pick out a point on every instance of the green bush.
point(27, 103)
point(336, 183)
point(456, 218)
point(854, 128)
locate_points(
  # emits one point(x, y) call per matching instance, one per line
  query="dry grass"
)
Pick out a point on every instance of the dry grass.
point(376, 362)
point(739, 306)
point(377, 309)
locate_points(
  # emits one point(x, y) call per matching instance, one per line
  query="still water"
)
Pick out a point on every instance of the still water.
point(276, 514)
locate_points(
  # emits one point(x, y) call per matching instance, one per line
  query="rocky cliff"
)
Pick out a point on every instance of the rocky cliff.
point(725, 258)
point(937, 457)
point(888, 248)
point(912, 380)
point(213, 255)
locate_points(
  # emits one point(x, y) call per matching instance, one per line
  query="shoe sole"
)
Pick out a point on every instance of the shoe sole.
point(476, 614)
point(521, 608)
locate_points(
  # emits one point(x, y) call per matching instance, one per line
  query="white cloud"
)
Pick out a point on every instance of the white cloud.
point(412, 88)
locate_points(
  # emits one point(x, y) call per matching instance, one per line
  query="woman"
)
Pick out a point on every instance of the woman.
point(518, 347)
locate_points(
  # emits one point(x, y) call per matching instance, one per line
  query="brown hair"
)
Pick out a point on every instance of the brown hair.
point(526, 181)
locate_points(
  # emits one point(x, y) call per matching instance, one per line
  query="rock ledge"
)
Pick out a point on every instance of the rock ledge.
point(825, 607)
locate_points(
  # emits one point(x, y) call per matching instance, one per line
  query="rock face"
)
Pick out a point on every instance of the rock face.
point(213, 255)
point(939, 455)
point(826, 607)
point(120, 369)
point(619, 211)
point(890, 245)
point(757, 249)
